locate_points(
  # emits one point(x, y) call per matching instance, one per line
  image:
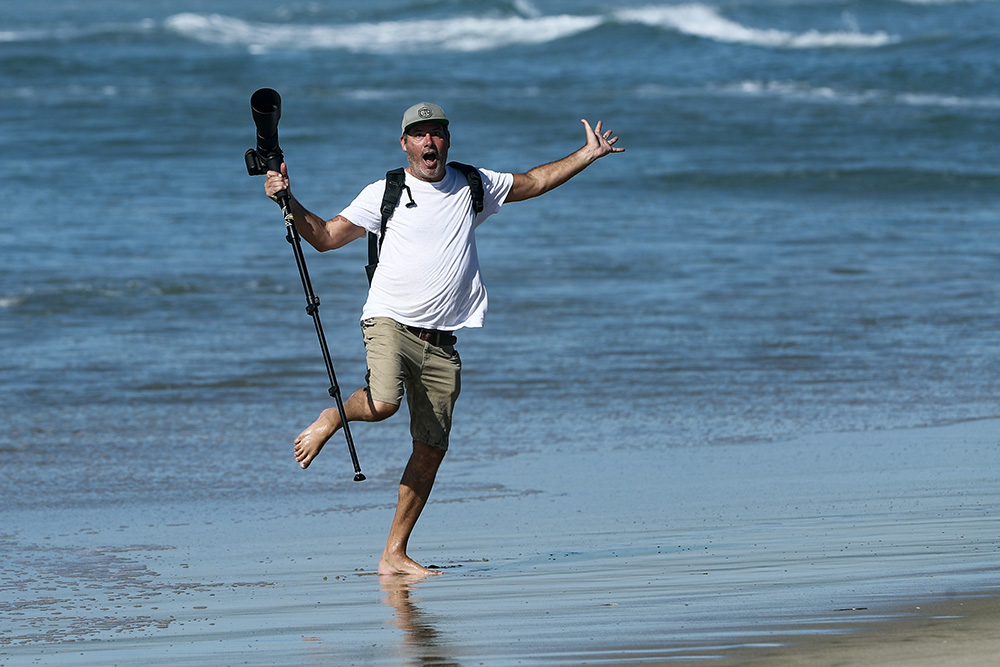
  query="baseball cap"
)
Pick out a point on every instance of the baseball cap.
point(422, 111)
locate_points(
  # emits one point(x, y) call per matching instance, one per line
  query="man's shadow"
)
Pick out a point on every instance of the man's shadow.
point(422, 641)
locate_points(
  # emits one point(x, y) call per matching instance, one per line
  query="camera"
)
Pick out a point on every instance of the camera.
point(265, 105)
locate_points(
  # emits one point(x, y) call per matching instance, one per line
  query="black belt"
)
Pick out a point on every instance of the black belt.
point(433, 336)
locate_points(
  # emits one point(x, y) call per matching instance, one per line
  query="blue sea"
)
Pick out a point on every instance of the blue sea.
point(742, 376)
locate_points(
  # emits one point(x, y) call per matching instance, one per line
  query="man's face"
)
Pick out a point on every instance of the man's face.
point(426, 146)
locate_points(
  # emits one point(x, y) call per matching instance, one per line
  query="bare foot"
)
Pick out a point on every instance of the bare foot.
point(310, 442)
point(404, 565)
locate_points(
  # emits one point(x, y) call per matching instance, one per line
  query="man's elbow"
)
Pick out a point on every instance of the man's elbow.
point(330, 243)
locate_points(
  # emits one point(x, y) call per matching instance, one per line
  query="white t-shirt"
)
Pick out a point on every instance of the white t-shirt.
point(428, 270)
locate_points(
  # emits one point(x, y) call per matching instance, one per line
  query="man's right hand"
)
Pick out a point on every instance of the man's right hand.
point(276, 182)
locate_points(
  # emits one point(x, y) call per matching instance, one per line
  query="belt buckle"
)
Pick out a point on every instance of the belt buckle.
point(432, 336)
point(422, 334)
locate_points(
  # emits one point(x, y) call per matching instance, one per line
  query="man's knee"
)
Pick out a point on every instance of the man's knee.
point(427, 452)
point(365, 408)
point(380, 410)
point(423, 465)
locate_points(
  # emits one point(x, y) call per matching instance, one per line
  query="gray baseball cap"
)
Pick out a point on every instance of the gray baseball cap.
point(418, 113)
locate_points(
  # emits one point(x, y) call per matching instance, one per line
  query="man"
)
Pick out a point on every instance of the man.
point(426, 286)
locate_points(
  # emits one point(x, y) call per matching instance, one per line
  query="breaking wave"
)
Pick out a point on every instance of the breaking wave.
point(807, 92)
point(457, 34)
point(482, 33)
point(703, 21)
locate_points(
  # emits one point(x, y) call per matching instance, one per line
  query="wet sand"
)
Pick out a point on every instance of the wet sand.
point(846, 549)
point(964, 631)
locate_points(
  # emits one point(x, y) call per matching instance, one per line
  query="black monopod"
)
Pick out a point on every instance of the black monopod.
point(265, 104)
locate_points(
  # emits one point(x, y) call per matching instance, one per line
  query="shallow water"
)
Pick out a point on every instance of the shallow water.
point(681, 553)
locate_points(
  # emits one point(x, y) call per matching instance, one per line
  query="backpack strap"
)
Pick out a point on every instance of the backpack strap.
point(394, 180)
point(394, 184)
point(475, 183)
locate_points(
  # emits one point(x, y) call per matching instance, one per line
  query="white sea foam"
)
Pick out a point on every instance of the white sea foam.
point(463, 33)
point(808, 92)
point(456, 34)
point(11, 301)
point(481, 33)
point(934, 100)
point(706, 22)
point(69, 33)
point(942, 2)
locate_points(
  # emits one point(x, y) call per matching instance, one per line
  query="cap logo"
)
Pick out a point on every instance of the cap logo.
point(425, 112)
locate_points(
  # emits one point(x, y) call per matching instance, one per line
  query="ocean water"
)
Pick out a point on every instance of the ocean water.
point(797, 252)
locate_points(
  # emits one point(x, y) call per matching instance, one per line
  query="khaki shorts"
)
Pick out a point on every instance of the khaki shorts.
point(431, 377)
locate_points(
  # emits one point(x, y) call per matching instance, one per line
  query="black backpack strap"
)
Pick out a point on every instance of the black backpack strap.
point(475, 183)
point(394, 180)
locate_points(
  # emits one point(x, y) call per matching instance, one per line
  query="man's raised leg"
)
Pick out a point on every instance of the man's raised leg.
point(358, 407)
point(414, 489)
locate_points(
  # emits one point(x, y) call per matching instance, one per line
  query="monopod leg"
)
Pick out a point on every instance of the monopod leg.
point(312, 307)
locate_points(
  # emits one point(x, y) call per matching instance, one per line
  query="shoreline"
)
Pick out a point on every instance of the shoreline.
point(959, 629)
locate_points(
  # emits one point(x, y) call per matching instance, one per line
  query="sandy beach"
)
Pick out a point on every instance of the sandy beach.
point(960, 631)
point(964, 631)
point(845, 549)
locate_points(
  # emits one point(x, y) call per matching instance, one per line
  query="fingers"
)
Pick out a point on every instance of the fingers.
point(279, 174)
point(605, 135)
point(276, 181)
point(593, 133)
point(601, 132)
point(604, 139)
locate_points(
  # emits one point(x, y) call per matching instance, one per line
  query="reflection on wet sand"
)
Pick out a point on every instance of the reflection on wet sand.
point(422, 641)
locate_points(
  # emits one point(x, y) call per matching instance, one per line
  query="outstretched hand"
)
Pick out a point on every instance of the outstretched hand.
point(541, 179)
point(600, 141)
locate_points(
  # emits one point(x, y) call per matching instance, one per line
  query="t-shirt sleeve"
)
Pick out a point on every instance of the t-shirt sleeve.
point(365, 210)
point(496, 186)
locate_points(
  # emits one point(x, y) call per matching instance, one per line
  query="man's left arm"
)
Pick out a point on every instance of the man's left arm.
point(541, 179)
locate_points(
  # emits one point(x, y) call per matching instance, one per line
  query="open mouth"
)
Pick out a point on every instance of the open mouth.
point(430, 159)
